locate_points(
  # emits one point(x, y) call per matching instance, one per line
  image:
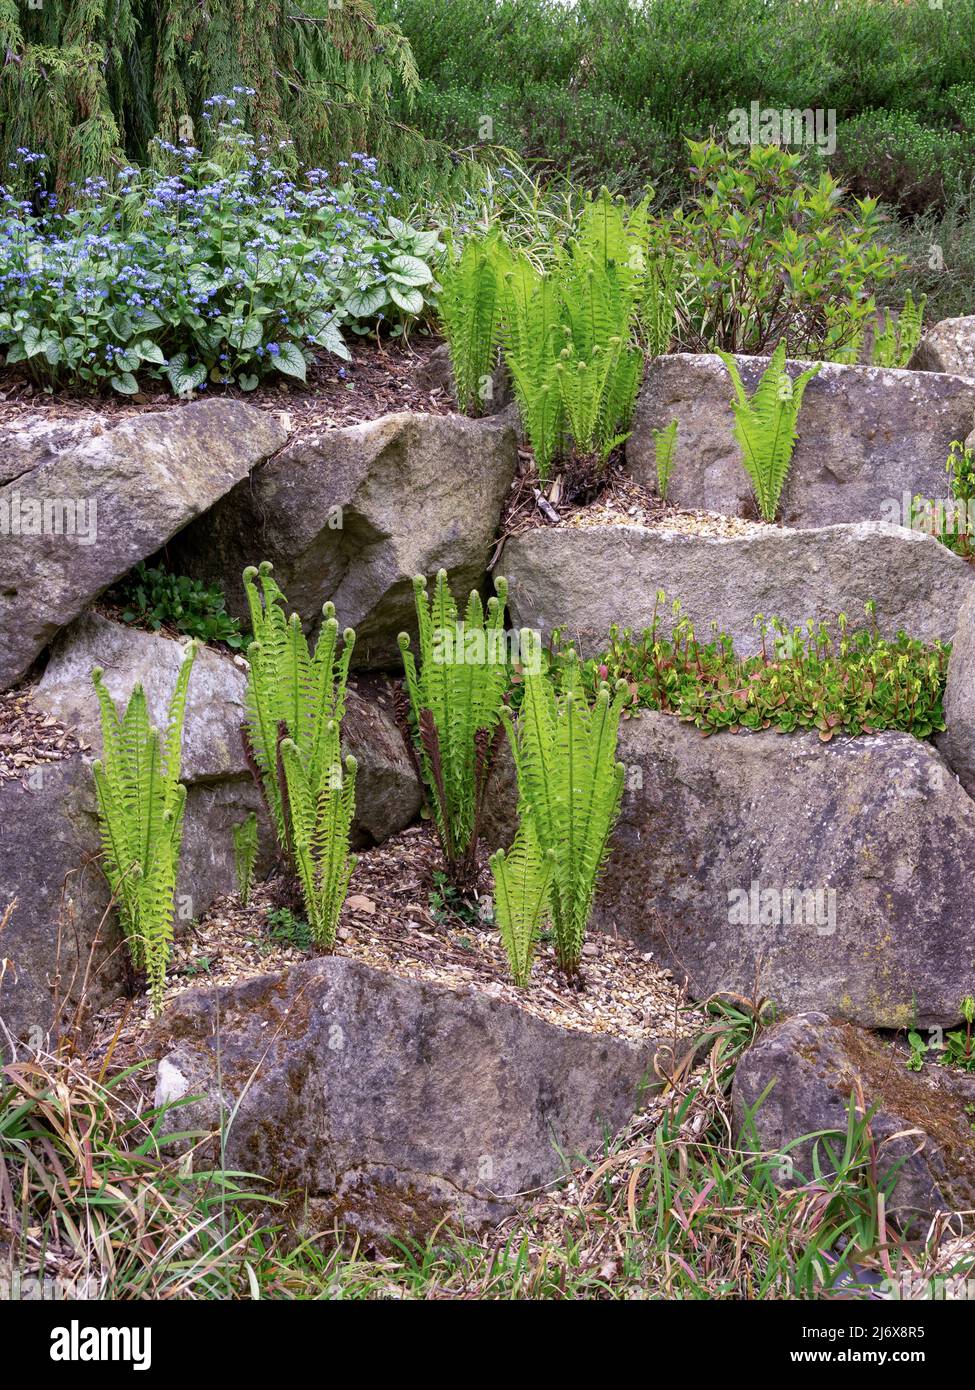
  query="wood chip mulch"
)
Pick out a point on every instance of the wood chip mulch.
point(378, 381)
point(29, 739)
point(618, 501)
point(388, 922)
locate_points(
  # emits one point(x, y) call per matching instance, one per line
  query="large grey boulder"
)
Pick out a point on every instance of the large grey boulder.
point(957, 743)
point(59, 941)
point(870, 438)
point(353, 514)
point(392, 1102)
point(81, 502)
point(388, 793)
point(586, 578)
point(835, 876)
point(947, 347)
point(808, 1069)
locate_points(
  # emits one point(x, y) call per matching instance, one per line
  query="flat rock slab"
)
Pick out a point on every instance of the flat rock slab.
point(870, 438)
point(836, 876)
point(81, 503)
point(587, 578)
point(808, 1068)
point(352, 514)
point(393, 1103)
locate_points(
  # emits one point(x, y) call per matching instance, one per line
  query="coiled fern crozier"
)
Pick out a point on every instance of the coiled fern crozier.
point(292, 732)
point(569, 788)
point(765, 425)
point(140, 814)
point(470, 306)
point(456, 697)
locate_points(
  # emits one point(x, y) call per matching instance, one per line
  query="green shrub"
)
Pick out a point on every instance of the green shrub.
point(152, 597)
point(894, 156)
point(953, 525)
point(811, 676)
point(455, 699)
point(471, 311)
point(895, 341)
point(522, 895)
point(140, 813)
point(768, 257)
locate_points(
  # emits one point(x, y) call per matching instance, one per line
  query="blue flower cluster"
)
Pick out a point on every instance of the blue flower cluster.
point(208, 267)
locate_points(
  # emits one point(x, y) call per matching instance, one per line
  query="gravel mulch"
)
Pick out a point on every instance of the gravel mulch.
point(29, 739)
point(388, 922)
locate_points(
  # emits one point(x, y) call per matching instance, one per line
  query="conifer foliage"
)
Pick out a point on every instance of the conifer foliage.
point(90, 82)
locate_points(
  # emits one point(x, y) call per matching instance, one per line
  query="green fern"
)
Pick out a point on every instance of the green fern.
point(532, 338)
point(321, 819)
point(664, 443)
point(765, 425)
point(456, 698)
point(895, 344)
point(140, 812)
point(245, 855)
point(658, 307)
point(570, 788)
point(599, 371)
point(522, 883)
point(615, 237)
point(470, 308)
point(290, 693)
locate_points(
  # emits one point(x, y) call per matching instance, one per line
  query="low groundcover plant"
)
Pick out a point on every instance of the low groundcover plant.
point(814, 675)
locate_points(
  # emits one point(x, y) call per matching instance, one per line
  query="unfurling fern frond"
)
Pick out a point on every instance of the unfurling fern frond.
point(658, 307)
point(245, 855)
point(765, 425)
point(522, 882)
point(470, 307)
point(455, 698)
point(295, 704)
point(321, 819)
point(664, 443)
point(290, 692)
point(894, 345)
point(140, 812)
point(570, 787)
